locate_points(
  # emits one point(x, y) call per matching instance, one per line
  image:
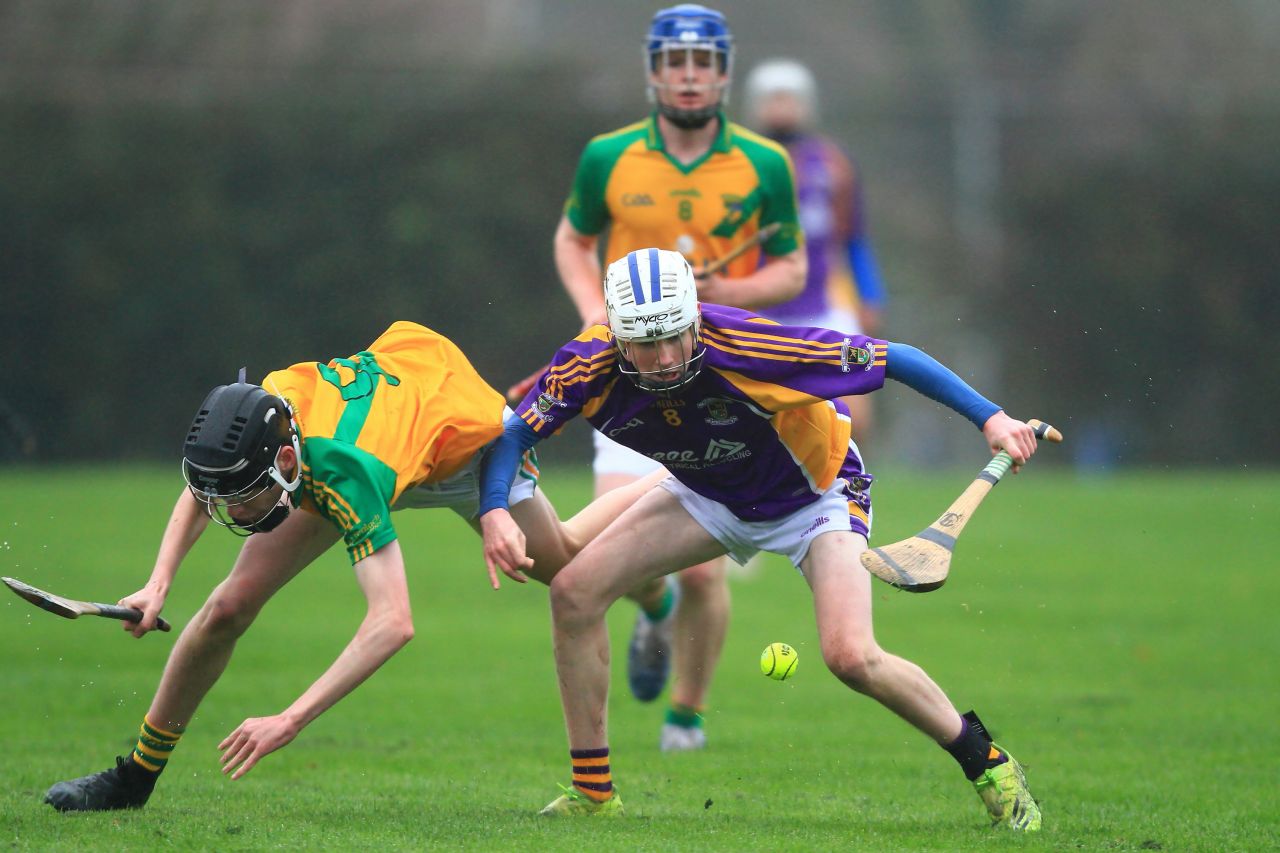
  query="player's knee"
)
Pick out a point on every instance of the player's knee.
point(703, 580)
point(227, 613)
point(854, 664)
point(572, 602)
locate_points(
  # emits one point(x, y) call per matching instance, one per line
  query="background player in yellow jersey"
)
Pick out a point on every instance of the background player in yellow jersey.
point(684, 179)
point(406, 423)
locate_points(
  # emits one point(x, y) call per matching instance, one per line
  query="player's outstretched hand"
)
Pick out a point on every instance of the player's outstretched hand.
point(1010, 435)
point(150, 600)
point(504, 546)
point(256, 738)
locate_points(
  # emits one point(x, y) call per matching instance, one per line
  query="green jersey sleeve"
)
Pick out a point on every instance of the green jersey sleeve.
point(586, 207)
point(777, 191)
point(353, 489)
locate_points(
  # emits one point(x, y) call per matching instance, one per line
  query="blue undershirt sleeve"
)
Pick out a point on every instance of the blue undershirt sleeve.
point(501, 462)
point(866, 273)
point(922, 373)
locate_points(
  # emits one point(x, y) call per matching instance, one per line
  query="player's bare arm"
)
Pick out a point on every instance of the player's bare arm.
point(387, 627)
point(579, 269)
point(779, 280)
point(185, 525)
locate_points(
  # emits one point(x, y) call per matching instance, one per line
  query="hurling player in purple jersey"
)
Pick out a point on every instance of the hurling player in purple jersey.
point(738, 409)
point(843, 289)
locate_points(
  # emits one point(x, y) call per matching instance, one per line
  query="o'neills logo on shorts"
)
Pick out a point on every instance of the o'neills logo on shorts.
point(817, 522)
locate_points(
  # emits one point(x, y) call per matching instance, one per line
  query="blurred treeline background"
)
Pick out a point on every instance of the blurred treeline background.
point(1076, 204)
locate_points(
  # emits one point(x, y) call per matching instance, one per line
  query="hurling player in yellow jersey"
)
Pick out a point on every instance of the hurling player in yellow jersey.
point(689, 180)
point(404, 424)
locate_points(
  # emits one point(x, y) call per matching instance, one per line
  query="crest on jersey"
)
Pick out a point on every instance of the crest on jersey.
point(851, 355)
point(717, 410)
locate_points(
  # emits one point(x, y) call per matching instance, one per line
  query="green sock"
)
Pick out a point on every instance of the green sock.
point(684, 715)
point(663, 609)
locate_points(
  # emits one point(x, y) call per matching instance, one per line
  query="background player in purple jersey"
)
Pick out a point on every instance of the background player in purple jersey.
point(843, 289)
point(760, 459)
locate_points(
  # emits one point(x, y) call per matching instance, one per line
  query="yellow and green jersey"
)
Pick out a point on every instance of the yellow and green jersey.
point(628, 181)
point(408, 410)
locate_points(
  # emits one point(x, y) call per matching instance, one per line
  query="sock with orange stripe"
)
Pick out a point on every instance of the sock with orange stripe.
point(591, 775)
point(973, 749)
point(151, 753)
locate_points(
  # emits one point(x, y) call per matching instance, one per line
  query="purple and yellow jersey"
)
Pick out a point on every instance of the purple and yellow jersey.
point(627, 180)
point(754, 430)
point(830, 209)
point(409, 410)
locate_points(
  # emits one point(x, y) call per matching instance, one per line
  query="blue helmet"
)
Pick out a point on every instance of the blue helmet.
point(689, 27)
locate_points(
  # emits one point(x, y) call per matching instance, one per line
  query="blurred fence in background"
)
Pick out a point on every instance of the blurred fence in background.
point(1074, 204)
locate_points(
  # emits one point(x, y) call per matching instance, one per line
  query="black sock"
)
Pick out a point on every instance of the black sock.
point(973, 749)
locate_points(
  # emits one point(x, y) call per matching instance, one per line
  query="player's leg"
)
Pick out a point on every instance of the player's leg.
point(546, 541)
point(842, 604)
point(551, 543)
point(613, 495)
point(652, 647)
point(701, 624)
point(655, 534)
point(266, 562)
point(650, 652)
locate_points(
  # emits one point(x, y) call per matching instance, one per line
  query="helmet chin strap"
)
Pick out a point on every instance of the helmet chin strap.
point(273, 472)
point(688, 119)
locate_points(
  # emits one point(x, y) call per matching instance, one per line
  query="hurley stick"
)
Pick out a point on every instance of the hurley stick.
point(921, 563)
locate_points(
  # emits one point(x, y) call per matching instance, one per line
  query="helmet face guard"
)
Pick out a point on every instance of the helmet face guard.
point(231, 455)
point(651, 297)
point(687, 36)
point(685, 370)
point(218, 506)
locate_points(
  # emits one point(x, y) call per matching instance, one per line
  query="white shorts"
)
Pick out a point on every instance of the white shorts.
point(613, 458)
point(461, 492)
point(789, 536)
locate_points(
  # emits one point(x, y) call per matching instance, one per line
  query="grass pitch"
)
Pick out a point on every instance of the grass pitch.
point(1119, 635)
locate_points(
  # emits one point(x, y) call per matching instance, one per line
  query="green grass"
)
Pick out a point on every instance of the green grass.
point(1118, 634)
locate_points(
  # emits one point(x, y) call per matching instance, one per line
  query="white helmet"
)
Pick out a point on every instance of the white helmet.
point(777, 76)
point(651, 295)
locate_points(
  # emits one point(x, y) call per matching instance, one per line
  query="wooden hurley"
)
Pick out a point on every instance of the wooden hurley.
point(921, 563)
point(71, 609)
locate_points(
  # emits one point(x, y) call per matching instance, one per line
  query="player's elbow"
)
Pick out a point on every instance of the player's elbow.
point(568, 237)
point(400, 631)
point(798, 266)
point(392, 629)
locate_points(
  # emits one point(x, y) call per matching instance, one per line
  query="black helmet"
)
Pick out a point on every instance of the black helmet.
point(230, 452)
